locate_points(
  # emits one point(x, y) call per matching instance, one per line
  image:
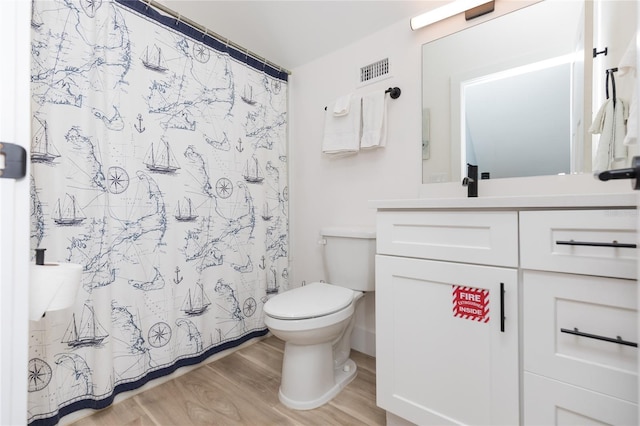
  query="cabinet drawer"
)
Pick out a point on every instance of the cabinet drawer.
point(552, 241)
point(489, 238)
point(597, 306)
point(549, 402)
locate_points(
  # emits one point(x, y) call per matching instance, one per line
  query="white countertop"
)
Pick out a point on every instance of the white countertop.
point(623, 200)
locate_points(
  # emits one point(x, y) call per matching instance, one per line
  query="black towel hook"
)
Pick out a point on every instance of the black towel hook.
point(610, 72)
point(394, 92)
point(596, 53)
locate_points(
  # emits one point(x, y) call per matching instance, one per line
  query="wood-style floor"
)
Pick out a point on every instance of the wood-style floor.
point(242, 389)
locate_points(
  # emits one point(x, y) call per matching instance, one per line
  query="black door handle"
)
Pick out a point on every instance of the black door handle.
point(502, 317)
point(632, 172)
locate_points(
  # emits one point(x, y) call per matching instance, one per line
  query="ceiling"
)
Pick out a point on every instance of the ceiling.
point(292, 33)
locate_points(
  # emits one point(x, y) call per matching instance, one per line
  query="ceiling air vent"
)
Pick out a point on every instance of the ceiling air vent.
point(374, 72)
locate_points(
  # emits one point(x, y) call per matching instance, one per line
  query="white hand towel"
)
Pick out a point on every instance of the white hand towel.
point(342, 133)
point(632, 122)
point(341, 107)
point(627, 67)
point(374, 120)
point(610, 124)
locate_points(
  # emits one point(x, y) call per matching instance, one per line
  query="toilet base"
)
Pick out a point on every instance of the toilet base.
point(342, 377)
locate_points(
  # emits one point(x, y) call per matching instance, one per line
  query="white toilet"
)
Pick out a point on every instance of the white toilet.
point(315, 321)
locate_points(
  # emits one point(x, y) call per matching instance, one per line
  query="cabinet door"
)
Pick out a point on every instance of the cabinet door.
point(443, 353)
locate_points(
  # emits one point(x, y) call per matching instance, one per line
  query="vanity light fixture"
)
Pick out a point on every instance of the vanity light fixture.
point(472, 9)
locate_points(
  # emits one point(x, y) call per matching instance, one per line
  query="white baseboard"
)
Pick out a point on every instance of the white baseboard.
point(363, 341)
point(393, 420)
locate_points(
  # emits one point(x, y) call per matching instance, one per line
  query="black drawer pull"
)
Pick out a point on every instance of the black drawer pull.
point(617, 339)
point(593, 244)
point(502, 318)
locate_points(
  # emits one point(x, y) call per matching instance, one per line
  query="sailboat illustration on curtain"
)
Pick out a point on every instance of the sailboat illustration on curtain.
point(36, 20)
point(42, 150)
point(68, 212)
point(89, 332)
point(152, 59)
point(247, 95)
point(266, 212)
point(196, 302)
point(252, 172)
point(272, 282)
point(160, 158)
point(184, 212)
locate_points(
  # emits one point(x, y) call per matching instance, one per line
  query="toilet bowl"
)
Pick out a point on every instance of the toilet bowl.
point(315, 321)
point(311, 373)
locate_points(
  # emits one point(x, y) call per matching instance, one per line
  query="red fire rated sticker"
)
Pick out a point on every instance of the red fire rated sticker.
point(471, 303)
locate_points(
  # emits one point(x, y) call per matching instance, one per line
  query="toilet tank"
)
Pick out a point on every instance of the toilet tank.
point(349, 257)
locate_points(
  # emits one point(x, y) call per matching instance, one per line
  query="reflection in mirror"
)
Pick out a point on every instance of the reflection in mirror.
point(501, 95)
point(536, 101)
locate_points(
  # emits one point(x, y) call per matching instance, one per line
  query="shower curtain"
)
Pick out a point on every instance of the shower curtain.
point(159, 164)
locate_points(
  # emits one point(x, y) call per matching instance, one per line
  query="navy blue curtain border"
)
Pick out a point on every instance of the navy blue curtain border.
point(124, 387)
point(146, 10)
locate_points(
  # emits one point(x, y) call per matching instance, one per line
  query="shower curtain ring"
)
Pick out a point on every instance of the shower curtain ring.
point(205, 33)
point(148, 4)
point(178, 20)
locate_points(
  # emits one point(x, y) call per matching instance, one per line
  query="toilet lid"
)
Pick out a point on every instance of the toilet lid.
point(309, 301)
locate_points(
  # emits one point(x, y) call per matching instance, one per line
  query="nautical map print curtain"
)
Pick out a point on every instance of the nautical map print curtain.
point(159, 164)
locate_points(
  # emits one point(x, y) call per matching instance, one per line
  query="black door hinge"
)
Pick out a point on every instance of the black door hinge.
point(13, 161)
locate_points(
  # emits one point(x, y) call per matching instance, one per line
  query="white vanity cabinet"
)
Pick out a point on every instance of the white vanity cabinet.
point(446, 329)
point(558, 342)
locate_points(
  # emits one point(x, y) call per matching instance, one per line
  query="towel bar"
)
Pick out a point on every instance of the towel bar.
point(394, 93)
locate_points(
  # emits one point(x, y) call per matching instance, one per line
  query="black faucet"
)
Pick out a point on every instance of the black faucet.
point(40, 256)
point(471, 181)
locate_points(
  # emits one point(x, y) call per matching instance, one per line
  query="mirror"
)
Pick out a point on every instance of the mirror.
point(507, 95)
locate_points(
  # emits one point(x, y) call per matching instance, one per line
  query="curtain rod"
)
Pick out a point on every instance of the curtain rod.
point(205, 30)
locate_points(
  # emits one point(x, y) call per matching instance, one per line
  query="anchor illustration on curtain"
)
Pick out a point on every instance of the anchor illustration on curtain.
point(182, 238)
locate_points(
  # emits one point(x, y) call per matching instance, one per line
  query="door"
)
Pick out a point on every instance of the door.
point(14, 213)
point(638, 196)
point(447, 341)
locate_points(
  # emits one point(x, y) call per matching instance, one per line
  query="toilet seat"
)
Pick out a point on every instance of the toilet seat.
point(310, 301)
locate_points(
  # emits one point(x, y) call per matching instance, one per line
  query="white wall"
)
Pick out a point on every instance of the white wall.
point(335, 192)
